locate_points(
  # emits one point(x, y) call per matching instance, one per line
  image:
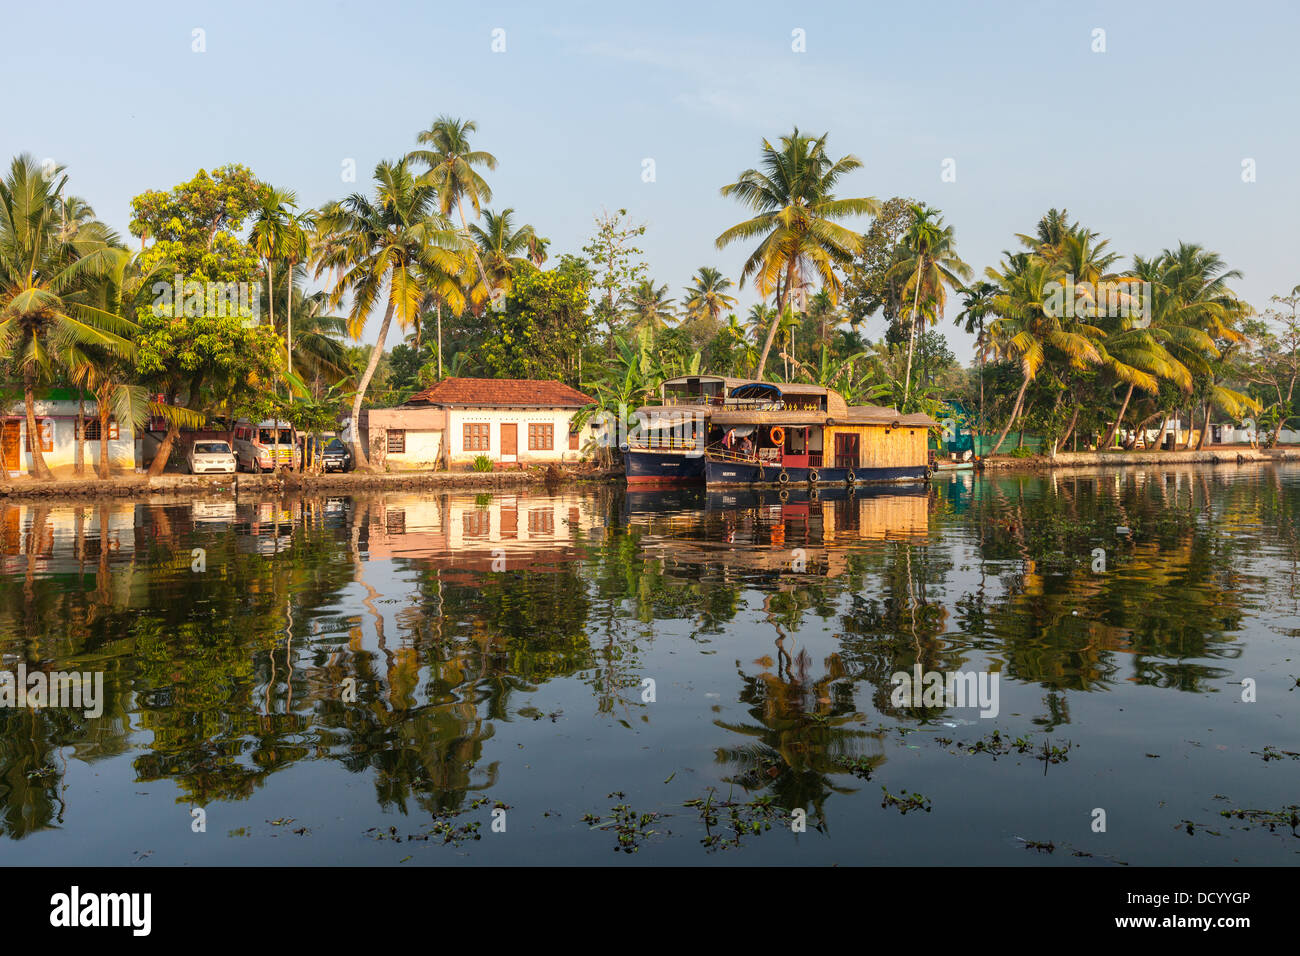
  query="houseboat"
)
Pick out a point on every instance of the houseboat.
point(807, 434)
point(666, 446)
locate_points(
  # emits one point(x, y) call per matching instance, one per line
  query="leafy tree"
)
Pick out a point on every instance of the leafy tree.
point(542, 330)
point(615, 265)
point(200, 344)
point(872, 284)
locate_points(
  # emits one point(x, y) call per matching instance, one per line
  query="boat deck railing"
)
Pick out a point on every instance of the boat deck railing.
point(736, 404)
point(664, 443)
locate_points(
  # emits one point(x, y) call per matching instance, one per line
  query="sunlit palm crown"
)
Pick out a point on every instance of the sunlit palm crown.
point(792, 194)
point(452, 163)
point(395, 247)
point(49, 254)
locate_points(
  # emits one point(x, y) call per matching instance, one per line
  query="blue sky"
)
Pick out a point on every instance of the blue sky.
point(1144, 142)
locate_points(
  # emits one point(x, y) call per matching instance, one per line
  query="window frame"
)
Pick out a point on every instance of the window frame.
point(476, 436)
point(539, 432)
point(395, 433)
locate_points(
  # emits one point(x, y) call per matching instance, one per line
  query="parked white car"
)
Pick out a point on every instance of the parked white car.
point(205, 457)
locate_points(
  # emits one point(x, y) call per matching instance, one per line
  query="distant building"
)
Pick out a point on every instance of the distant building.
point(511, 421)
point(56, 423)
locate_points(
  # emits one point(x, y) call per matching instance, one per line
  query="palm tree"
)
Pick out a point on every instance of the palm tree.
point(43, 271)
point(742, 353)
point(384, 249)
point(117, 295)
point(977, 305)
point(792, 195)
point(504, 250)
point(1026, 329)
point(931, 264)
point(316, 348)
point(451, 164)
point(706, 296)
point(281, 233)
point(648, 307)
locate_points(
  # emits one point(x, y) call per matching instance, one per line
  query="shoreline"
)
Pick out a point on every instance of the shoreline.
point(236, 485)
point(1221, 455)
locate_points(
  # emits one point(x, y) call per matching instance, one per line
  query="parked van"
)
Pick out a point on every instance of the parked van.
point(265, 446)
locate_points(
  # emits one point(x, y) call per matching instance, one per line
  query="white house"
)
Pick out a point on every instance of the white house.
point(511, 421)
point(56, 422)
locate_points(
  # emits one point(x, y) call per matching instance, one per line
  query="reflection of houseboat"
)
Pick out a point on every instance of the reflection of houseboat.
point(757, 529)
point(809, 434)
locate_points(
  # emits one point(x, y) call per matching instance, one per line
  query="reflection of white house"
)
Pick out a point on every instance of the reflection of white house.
point(509, 420)
point(481, 532)
point(56, 422)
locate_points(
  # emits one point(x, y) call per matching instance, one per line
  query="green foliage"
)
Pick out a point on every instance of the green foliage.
point(195, 227)
point(482, 463)
point(542, 329)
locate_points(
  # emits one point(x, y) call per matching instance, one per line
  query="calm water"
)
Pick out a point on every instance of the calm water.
point(372, 679)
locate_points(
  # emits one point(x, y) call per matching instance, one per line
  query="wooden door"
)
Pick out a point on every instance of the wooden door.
point(846, 450)
point(509, 441)
point(9, 445)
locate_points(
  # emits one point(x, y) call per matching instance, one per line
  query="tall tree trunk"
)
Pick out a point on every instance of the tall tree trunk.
point(270, 292)
point(438, 306)
point(464, 223)
point(1164, 428)
point(1068, 431)
point(159, 463)
point(360, 458)
point(911, 339)
point(102, 409)
point(1015, 411)
point(1110, 435)
point(288, 321)
point(781, 296)
point(39, 468)
point(79, 466)
point(1191, 416)
point(1205, 427)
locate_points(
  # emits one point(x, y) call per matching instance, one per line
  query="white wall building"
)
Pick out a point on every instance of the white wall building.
point(56, 423)
point(511, 421)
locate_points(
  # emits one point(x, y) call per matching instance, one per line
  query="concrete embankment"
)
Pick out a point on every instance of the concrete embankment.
point(1222, 455)
point(140, 486)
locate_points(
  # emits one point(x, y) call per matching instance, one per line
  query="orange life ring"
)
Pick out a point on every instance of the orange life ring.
point(777, 434)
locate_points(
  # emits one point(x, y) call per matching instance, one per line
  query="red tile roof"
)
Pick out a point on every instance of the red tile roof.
point(503, 392)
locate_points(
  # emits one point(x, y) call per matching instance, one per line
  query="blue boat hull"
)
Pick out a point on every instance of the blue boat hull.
point(662, 467)
point(737, 473)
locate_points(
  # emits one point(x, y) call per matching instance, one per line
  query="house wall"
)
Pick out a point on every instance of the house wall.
point(424, 429)
point(494, 418)
point(62, 458)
